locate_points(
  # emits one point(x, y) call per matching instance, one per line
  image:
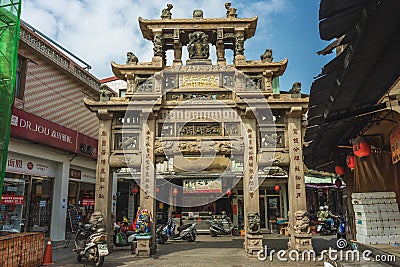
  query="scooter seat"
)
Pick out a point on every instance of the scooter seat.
point(183, 227)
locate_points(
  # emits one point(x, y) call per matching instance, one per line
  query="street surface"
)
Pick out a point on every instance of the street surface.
point(206, 251)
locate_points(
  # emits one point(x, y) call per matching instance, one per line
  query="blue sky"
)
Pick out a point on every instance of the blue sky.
point(102, 31)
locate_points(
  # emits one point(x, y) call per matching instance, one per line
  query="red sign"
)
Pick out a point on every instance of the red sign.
point(88, 202)
point(12, 199)
point(31, 127)
point(73, 173)
point(395, 143)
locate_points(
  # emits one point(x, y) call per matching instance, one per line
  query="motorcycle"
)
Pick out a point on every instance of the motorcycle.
point(326, 227)
point(217, 227)
point(90, 241)
point(124, 233)
point(185, 232)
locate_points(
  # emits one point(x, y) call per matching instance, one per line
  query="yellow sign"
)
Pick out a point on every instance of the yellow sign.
point(198, 80)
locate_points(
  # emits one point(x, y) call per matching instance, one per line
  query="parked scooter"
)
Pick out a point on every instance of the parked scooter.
point(185, 232)
point(124, 233)
point(341, 230)
point(217, 227)
point(90, 241)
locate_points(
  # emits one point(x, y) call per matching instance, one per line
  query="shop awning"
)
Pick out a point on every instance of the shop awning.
point(352, 83)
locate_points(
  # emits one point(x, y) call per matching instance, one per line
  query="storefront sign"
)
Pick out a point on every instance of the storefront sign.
point(87, 202)
point(31, 127)
point(74, 173)
point(29, 165)
point(12, 199)
point(395, 143)
point(202, 186)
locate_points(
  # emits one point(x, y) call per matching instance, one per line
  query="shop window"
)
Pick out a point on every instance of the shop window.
point(12, 202)
point(20, 77)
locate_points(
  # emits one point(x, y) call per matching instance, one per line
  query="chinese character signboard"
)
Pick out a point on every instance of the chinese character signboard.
point(202, 186)
point(31, 127)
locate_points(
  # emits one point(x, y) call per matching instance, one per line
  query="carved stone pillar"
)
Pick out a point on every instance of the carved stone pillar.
point(158, 45)
point(253, 236)
point(220, 45)
point(130, 84)
point(267, 80)
point(239, 46)
point(103, 198)
point(177, 48)
point(147, 176)
point(299, 227)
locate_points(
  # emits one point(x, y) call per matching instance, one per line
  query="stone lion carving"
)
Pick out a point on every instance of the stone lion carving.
point(296, 88)
point(105, 94)
point(166, 12)
point(302, 224)
point(253, 223)
point(197, 14)
point(230, 11)
point(267, 56)
point(131, 58)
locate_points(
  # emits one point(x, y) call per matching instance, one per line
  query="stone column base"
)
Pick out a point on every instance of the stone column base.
point(143, 248)
point(302, 242)
point(253, 244)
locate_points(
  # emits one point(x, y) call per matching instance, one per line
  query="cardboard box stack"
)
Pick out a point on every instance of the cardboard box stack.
point(377, 217)
point(22, 249)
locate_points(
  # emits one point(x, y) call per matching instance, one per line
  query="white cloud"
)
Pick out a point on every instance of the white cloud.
point(102, 31)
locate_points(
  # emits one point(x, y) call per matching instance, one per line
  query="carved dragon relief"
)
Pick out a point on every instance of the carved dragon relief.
point(162, 147)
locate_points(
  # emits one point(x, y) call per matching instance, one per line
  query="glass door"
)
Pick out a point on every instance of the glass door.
point(40, 204)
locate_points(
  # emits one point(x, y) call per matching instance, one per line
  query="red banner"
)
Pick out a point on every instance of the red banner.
point(34, 128)
point(87, 202)
point(395, 143)
point(12, 200)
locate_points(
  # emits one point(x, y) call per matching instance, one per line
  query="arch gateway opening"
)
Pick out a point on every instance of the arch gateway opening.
point(205, 138)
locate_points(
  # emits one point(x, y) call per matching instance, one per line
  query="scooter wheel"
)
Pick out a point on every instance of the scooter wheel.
point(162, 239)
point(192, 238)
point(79, 258)
point(213, 234)
point(234, 232)
point(99, 262)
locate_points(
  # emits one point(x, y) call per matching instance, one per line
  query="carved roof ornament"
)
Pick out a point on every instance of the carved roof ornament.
point(296, 88)
point(198, 47)
point(230, 11)
point(197, 14)
point(267, 56)
point(166, 12)
point(131, 58)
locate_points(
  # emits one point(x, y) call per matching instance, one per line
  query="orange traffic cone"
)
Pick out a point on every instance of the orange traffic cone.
point(48, 254)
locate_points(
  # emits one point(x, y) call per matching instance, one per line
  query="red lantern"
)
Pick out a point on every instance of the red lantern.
point(229, 192)
point(350, 161)
point(277, 188)
point(175, 191)
point(135, 190)
point(338, 182)
point(339, 170)
point(361, 148)
point(157, 190)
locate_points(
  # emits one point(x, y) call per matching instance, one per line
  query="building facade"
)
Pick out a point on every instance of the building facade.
point(53, 146)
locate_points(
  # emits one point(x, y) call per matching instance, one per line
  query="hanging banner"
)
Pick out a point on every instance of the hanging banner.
point(395, 143)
